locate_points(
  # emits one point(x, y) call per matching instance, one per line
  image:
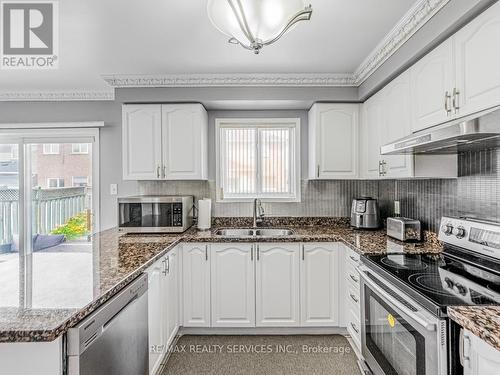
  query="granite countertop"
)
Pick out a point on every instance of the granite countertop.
point(66, 286)
point(482, 321)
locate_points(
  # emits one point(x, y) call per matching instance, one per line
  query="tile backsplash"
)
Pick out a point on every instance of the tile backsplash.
point(475, 193)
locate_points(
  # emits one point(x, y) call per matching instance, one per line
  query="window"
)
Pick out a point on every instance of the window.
point(80, 148)
point(258, 158)
point(55, 182)
point(80, 181)
point(51, 149)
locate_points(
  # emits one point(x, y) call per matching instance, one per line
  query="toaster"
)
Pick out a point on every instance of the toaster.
point(404, 229)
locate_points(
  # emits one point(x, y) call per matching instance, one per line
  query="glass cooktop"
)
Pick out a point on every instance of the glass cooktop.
point(438, 281)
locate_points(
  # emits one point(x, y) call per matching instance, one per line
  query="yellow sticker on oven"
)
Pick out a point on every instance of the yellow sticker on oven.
point(391, 320)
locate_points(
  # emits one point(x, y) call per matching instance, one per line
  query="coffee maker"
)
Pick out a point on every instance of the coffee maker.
point(365, 213)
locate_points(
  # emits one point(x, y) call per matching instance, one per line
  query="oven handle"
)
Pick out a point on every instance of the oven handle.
point(418, 318)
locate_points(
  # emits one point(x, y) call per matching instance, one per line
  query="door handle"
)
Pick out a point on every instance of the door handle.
point(251, 253)
point(258, 252)
point(353, 258)
point(164, 171)
point(317, 171)
point(303, 252)
point(158, 172)
point(353, 278)
point(354, 327)
point(456, 101)
point(164, 271)
point(447, 104)
point(353, 297)
point(206, 252)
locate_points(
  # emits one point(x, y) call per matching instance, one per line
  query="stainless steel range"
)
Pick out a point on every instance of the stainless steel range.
point(405, 329)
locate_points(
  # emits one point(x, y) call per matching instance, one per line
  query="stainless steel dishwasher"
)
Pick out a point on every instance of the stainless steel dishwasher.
point(114, 339)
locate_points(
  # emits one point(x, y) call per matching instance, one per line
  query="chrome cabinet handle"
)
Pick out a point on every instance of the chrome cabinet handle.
point(303, 252)
point(353, 258)
point(258, 252)
point(164, 271)
point(353, 297)
point(158, 172)
point(168, 264)
point(317, 171)
point(355, 279)
point(206, 252)
point(354, 327)
point(251, 253)
point(464, 349)
point(456, 101)
point(164, 171)
point(447, 104)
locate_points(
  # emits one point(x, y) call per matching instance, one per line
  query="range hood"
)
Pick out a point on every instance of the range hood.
point(474, 132)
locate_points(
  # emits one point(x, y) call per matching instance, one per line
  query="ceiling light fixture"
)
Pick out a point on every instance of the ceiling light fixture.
point(254, 24)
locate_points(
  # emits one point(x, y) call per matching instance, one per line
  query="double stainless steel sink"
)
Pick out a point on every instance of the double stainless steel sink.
point(254, 232)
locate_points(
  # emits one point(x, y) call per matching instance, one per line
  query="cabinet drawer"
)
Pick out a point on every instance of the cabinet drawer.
point(353, 296)
point(354, 326)
point(352, 275)
point(352, 257)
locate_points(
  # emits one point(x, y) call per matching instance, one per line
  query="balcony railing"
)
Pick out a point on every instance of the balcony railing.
point(50, 208)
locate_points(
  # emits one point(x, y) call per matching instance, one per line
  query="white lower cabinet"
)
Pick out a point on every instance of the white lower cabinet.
point(277, 285)
point(233, 285)
point(351, 295)
point(479, 357)
point(319, 286)
point(196, 285)
point(163, 305)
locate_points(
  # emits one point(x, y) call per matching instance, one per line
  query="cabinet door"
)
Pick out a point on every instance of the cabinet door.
point(233, 285)
point(141, 142)
point(431, 79)
point(335, 148)
point(196, 285)
point(184, 133)
point(396, 124)
point(277, 285)
point(371, 137)
point(480, 358)
point(172, 296)
point(478, 61)
point(319, 285)
point(155, 316)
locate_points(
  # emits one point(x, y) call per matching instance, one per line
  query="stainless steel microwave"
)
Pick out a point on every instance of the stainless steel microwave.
point(155, 214)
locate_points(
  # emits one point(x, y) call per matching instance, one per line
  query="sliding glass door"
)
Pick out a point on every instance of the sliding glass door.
point(48, 211)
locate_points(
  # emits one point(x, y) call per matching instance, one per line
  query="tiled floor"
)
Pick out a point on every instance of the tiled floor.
point(269, 355)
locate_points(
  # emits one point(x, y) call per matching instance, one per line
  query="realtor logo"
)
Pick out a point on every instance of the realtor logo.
point(29, 37)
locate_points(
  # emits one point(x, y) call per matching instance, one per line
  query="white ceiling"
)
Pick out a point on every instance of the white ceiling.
point(176, 37)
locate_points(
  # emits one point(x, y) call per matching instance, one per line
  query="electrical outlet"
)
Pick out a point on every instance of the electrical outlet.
point(397, 208)
point(113, 189)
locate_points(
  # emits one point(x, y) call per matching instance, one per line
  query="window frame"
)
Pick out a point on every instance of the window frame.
point(73, 181)
point(50, 151)
point(79, 152)
point(58, 179)
point(295, 158)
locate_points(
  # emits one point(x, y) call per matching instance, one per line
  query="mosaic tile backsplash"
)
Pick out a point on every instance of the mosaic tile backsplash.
point(475, 193)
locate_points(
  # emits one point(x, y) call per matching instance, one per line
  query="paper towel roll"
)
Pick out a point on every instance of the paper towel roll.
point(204, 214)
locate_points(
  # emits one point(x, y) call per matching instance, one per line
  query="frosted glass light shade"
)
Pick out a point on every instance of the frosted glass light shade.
point(256, 23)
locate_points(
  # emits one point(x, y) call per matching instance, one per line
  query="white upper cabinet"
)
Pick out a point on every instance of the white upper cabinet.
point(164, 142)
point(233, 285)
point(196, 285)
point(184, 135)
point(477, 63)
point(371, 130)
point(277, 285)
point(141, 142)
point(333, 141)
point(396, 124)
point(432, 82)
point(319, 298)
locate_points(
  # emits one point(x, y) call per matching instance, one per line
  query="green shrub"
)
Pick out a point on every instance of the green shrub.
point(74, 228)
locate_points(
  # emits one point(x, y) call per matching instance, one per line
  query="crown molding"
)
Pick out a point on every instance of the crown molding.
point(225, 80)
point(412, 21)
point(26, 96)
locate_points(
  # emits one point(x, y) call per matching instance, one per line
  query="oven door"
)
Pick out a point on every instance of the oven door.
point(399, 337)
